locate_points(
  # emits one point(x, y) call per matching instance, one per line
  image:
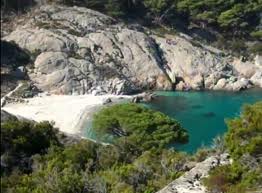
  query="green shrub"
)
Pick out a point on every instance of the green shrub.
point(244, 139)
point(256, 34)
point(143, 127)
point(27, 137)
point(256, 48)
point(20, 140)
point(244, 135)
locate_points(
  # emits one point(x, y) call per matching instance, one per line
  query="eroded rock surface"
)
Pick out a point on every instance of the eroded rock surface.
point(190, 182)
point(78, 51)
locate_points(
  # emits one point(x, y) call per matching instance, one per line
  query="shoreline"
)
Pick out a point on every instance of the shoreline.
point(68, 112)
point(72, 112)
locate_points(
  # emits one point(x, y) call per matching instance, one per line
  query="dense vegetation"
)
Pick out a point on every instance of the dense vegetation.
point(33, 159)
point(244, 142)
point(235, 18)
point(144, 128)
point(129, 165)
point(21, 140)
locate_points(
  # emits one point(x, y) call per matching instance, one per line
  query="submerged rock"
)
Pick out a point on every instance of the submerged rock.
point(209, 114)
point(197, 106)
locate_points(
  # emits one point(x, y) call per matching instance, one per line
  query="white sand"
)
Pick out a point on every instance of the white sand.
point(68, 112)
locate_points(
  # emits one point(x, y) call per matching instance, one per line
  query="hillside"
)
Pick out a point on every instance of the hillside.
point(57, 56)
point(71, 50)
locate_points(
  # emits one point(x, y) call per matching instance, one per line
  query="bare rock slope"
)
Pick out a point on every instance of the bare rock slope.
point(77, 51)
point(191, 181)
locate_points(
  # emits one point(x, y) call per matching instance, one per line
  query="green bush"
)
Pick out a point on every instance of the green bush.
point(244, 135)
point(17, 5)
point(143, 127)
point(256, 48)
point(27, 137)
point(244, 142)
point(257, 34)
point(22, 139)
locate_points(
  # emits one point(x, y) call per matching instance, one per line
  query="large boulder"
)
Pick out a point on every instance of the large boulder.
point(256, 79)
point(246, 69)
point(221, 84)
point(192, 63)
point(77, 51)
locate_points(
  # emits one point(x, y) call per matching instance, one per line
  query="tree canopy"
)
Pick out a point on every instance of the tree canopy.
point(240, 17)
point(141, 126)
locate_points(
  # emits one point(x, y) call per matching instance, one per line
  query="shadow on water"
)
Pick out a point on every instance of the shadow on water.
point(171, 105)
point(197, 106)
point(209, 114)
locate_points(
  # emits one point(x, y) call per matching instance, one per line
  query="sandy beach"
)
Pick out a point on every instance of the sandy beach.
point(68, 112)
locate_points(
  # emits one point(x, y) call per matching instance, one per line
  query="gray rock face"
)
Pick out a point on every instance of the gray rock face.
point(80, 51)
point(5, 116)
point(76, 52)
point(190, 182)
point(256, 79)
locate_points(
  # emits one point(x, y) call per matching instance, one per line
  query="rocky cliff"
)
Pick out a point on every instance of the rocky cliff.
point(76, 51)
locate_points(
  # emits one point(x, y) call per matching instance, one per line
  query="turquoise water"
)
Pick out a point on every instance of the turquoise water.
point(203, 114)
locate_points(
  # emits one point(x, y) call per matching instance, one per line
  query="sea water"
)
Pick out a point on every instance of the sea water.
point(203, 113)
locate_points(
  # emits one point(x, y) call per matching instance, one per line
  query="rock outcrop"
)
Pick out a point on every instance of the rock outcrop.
point(190, 182)
point(5, 116)
point(81, 51)
point(77, 51)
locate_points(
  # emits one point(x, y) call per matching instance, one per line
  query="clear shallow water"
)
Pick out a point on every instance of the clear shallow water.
point(203, 114)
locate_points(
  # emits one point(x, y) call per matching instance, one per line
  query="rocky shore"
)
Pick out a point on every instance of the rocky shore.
point(75, 50)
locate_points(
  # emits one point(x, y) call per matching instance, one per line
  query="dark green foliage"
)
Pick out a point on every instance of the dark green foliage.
point(257, 34)
point(12, 55)
point(226, 14)
point(244, 141)
point(114, 8)
point(245, 132)
point(143, 127)
point(123, 166)
point(27, 137)
point(16, 5)
point(256, 48)
point(21, 140)
point(233, 18)
point(87, 167)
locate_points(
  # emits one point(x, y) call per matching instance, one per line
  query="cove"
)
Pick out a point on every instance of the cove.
point(202, 113)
